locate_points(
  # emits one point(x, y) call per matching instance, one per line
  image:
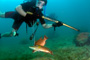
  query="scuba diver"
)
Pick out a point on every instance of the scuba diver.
point(20, 15)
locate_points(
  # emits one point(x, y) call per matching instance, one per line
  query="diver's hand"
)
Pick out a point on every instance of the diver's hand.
point(57, 24)
point(28, 16)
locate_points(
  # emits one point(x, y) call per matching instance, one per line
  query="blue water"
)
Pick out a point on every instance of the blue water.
point(75, 13)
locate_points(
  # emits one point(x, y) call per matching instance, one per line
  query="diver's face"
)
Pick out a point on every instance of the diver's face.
point(40, 4)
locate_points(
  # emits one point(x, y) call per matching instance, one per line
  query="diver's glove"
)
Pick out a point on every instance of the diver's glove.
point(57, 24)
point(34, 15)
point(28, 16)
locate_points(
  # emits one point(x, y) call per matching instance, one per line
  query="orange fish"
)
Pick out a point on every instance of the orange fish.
point(41, 41)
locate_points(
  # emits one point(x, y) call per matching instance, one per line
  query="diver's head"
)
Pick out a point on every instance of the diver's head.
point(41, 3)
point(44, 1)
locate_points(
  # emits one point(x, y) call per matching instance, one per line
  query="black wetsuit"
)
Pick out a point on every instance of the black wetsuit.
point(18, 19)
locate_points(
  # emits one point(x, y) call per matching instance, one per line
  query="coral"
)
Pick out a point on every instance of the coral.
point(72, 53)
point(82, 36)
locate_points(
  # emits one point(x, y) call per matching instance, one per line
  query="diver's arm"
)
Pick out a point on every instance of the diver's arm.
point(47, 25)
point(52, 25)
point(20, 11)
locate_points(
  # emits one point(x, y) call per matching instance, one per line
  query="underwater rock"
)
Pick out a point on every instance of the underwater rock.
point(83, 39)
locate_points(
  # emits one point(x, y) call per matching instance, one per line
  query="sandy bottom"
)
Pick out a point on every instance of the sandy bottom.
point(63, 49)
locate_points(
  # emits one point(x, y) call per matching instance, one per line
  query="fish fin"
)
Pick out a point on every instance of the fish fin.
point(51, 53)
point(45, 43)
point(45, 37)
point(34, 51)
point(40, 38)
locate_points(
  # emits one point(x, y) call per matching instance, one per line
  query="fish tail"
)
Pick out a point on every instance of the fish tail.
point(45, 37)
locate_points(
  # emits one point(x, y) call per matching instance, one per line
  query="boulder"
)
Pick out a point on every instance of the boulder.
point(82, 39)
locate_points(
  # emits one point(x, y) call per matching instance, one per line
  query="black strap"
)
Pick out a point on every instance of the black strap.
point(54, 28)
point(26, 28)
point(0, 35)
point(31, 37)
